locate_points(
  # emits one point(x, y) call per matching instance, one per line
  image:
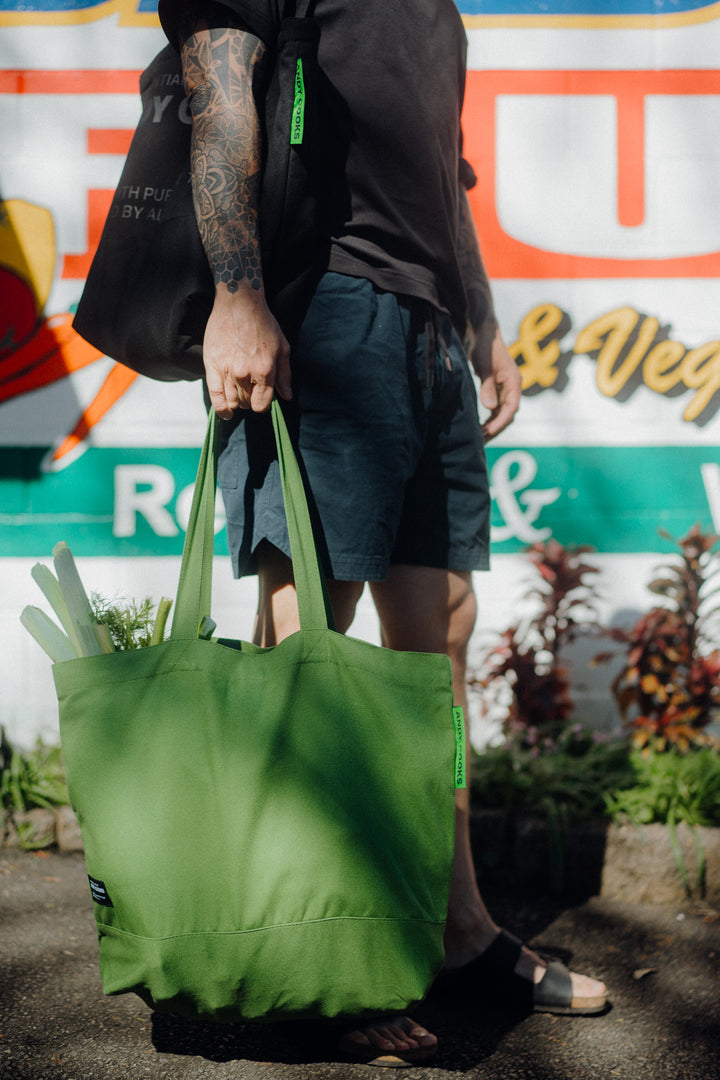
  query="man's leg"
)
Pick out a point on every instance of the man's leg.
point(424, 609)
point(277, 617)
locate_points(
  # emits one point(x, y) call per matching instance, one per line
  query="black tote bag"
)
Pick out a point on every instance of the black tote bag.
point(149, 291)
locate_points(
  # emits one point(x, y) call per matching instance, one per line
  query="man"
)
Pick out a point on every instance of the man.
point(386, 405)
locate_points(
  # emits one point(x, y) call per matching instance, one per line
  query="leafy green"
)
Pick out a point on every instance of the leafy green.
point(672, 788)
point(565, 780)
point(668, 787)
point(580, 777)
point(30, 780)
point(130, 622)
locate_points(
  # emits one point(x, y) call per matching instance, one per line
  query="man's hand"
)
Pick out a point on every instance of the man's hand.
point(246, 355)
point(500, 388)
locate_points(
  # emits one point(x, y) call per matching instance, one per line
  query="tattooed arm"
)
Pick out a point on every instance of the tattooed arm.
point(498, 372)
point(245, 352)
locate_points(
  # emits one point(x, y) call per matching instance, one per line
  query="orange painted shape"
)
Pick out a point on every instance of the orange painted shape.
point(108, 140)
point(118, 381)
point(68, 82)
point(78, 266)
point(53, 353)
point(99, 141)
point(506, 257)
point(631, 160)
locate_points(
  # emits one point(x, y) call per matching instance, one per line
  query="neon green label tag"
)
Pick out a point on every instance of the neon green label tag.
point(298, 113)
point(459, 722)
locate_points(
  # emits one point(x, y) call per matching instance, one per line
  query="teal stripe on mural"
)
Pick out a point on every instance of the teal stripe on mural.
point(114, 502)
point(613, 498)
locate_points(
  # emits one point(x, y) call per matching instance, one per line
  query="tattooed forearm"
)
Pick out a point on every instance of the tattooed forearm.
point(221, 67)
point(477, 287)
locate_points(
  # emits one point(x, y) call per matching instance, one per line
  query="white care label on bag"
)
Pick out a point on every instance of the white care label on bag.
point(99, 893)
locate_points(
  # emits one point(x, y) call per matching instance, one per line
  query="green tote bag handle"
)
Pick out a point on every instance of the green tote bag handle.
point(194, 592)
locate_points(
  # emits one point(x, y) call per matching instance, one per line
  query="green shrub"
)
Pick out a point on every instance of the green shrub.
point(30, 780)
point(670, 786)
point(565, 779)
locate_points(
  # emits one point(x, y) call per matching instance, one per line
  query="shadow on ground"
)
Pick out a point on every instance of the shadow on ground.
point(661, 962)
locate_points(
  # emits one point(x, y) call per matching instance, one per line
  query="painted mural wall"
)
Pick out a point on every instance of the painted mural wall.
point(594, 129)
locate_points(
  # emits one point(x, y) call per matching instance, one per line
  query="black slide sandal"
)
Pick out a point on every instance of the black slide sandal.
point(492, 976)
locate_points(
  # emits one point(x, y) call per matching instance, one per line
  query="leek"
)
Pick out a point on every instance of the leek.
point(161, 617)
point(89, 630)
point(104, 638)
point(76, 599)
point(53, 593)
point(48, 634)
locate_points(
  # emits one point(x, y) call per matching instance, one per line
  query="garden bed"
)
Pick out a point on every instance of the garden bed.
point(618, 862)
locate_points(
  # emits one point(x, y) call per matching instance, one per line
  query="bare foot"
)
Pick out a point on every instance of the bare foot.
point(389, 1041)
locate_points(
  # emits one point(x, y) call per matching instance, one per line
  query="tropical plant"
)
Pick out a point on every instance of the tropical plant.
point(668, 691)
point(528, 655)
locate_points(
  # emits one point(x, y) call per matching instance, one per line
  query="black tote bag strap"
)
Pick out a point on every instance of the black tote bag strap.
point(194, 594)
point(299, 9)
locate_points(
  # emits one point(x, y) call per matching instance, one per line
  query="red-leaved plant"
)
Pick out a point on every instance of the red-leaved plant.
point(669, 689)
point(528, 656)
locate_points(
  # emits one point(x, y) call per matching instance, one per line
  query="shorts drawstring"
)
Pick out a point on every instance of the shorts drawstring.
point(430, 345)
point(434, 341)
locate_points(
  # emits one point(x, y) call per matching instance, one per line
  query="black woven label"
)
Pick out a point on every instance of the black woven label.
point(99, 893)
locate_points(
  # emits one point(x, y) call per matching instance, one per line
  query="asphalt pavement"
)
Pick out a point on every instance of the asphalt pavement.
point(662, 964)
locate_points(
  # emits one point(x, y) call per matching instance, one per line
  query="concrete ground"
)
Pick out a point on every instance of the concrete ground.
point(661, 962)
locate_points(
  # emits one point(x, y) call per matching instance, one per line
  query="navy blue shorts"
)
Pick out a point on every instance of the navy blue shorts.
point(385, 420)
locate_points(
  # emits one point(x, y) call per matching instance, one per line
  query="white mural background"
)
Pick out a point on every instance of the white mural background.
point(597, 144)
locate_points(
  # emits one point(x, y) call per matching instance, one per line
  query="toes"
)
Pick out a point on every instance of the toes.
point(392, 1035)
point(419, 1035)
point(369, 1039)
point(582, 985)
point(406, 1035)
point(585, 987)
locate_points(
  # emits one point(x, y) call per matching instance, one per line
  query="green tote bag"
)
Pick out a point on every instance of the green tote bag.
point(268, 832)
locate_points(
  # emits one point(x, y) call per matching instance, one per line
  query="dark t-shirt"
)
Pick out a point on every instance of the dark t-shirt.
point(396, 69)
